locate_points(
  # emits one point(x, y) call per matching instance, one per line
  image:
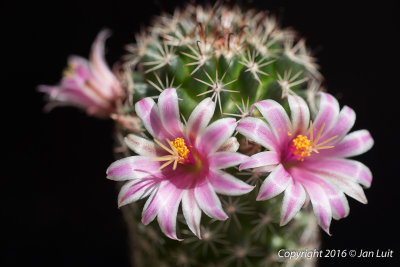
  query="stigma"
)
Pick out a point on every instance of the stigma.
point(178, 153)
point(303, 146)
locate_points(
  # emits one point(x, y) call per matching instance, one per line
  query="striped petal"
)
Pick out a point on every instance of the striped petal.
point(337, 200)
point(276, 182)
point(320, 203)
point(349, 169)
point(168, 211)
point(265, 158)
point(277, 118)
point(169, 111)
point(293, 201)
point(150, 208)
point(191, 212)
point(300, 114)
point(132, 168)
point(226, 184)
point(215, 135)
point(342, 126)
point(148, 112)
point(222, 160)
point(208, 201)
point(140, 145)
point(135, 189)
point(199, 119)
point(353, 144)
point(328, 112)
point(258, 131)
point(231, 145)
point(349, 187)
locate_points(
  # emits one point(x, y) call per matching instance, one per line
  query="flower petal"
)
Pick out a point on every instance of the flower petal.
point(231, 145)
point(349, 187)
point(100, 67)
point(292, 202)
point(151, 206)
point(168, 211)
point(208, 201)
point(350, 169)
point(132, 168)
point(276, 182)
point(320, 203)
point(140, 145)
point(136, 189)
point(191, 212)
point(338, 201)
point(265, 158)
point(258, 131)
point(277, 118)
point(148, 112)
point(226, 184)
point(342, 126)
point(353, 144)
point(300, 114)
point(215, 135)
point(169, 111)
point(328, 112)
point(199, 119)
point(222, 160)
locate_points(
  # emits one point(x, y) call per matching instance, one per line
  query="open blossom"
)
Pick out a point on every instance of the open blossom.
point(89, 85)
point(183, 164)
point(308, 159)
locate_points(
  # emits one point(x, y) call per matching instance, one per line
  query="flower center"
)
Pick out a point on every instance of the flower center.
point(302, 146)
point(180, 146)
point(178, 152)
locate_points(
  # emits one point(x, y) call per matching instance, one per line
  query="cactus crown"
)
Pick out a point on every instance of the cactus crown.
point(235, 57)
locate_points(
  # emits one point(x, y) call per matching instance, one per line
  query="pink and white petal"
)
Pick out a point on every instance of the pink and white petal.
point(260, 159)
point(231, 145)
point(226, 184)
point(276, 182)
point(342, 126)
point(169, 111)
point(136, 189)
point(98, 61)
point(258, 131)
point(208, 201)
point(300, 114)
point(168, 211)
point(292, 202)
point(222, 160)
point(353, 144)
point(350, 169)
point(328, 113)
point(148, 112)
point(320, 203)
point(141, 146)
point(191, 211)
point(134, 167)
point(349, 187)
point(215, 135)
point(199, 118)
point(338, 201)
point(151, 207)
point(277, 118)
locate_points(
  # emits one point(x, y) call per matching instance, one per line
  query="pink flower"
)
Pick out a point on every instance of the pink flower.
point(308, 159)
point(183, 164)
point(89, 85)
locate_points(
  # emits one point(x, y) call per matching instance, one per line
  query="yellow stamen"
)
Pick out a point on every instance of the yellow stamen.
point(304, 146)
point(178, 152)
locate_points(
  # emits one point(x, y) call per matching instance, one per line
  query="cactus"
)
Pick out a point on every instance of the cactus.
point(243, 65)
point(237, 58)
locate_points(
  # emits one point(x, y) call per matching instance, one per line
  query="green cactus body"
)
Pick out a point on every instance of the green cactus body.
point(237, 58)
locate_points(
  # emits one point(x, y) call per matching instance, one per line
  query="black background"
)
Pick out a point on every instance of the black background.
point(57, 208)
